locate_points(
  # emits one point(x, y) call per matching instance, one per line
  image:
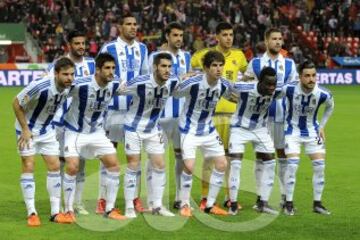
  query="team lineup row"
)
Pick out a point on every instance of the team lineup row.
point(124, 95)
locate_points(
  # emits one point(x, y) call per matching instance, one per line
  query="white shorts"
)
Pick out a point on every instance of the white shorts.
point(260, 139)
point(114, 125)
point(45, 144)
point(87, 145)
point(60, 137)
point(277, 133)
point(311, 144)
point(153, 142)
point(210, 145)
point(170, 127)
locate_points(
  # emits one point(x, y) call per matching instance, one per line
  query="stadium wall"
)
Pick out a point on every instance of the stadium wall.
point(12, 75)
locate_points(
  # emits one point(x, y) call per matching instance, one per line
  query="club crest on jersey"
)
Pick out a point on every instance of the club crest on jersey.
point(234, 62)
point(182, 62)
point(313, 102)
point(121, 54)
point(202, 94)
point(108, 94)
point(217, 94)
point(137, 53)
point(86, 73)
point(92, 95)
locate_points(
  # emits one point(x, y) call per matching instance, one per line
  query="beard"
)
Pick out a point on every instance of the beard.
point(273, 51)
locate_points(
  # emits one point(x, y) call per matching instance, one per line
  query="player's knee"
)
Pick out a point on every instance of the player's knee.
point(54, 166)
point(28, 167)
point(72, 168)
point(221, 164)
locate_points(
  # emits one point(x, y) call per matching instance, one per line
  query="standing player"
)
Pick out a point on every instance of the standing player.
point(201, 94)
point(169, 118)
point(84, 67)
point(235, 62)
point(131, 59)
point(285, 72)
point(149, 95)
point(249, 124)
point(84, 133)
point(303, 100)
point(35, 107)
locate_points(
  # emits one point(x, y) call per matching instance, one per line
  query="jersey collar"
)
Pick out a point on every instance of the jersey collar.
point(123, 43)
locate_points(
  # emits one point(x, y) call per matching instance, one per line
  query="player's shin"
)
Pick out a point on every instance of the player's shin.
point(158, 183)
point(27, 184)
point(268, 177)
point(290, 177)
point(102, 182)
point(112, 187)
point(69, 188)
point(318, 178)
point(185, 190)
point(130, 187)
point(234, 179)
point(216, 181)
point(53, 185)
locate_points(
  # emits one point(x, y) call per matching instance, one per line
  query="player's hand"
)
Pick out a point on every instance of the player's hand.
point(24, 140)
point(322, 134)
point(233, 97)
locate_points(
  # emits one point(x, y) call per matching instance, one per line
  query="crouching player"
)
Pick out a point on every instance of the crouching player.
point(201, 94)
point(303, 100)
point(85, 136)
point(35, 107)
point(249, 124)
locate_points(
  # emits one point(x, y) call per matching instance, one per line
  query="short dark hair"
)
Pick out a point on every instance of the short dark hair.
point(267, 71)
point(306, 64)
point(160, 56)
point(271, 30)
point(173, 25)
point(126, 15)
point(63, 63)
point(223, 26)
point(212, 56)
point(102, 58)
point(75, 33)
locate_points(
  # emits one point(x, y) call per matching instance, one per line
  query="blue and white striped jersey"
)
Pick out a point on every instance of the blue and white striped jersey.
point(89, 105)
point(285, 72)
point(40, 101)
point(200, 103)
point(252, 108)
point(302, 109)
point(131, 61)
point(85, 68)
point(148, 101)
point(180, 66)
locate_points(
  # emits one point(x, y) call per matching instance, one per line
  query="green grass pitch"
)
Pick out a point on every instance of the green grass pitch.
point(341, 195)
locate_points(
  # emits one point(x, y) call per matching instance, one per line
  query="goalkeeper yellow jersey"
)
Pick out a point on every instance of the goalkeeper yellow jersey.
point(235, 61)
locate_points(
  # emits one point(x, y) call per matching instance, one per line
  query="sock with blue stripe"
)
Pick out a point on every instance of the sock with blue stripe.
point(53, 185)
point(27, 184)
point(318, 178)
point(290, 177)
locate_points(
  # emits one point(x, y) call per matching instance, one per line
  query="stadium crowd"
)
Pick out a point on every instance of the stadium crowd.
point(48, 20)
